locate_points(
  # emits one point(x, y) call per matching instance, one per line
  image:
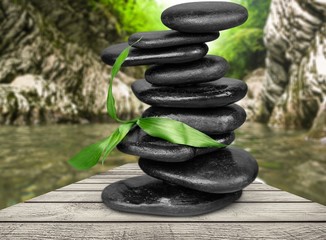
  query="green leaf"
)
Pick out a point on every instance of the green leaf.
point(115, 69)
point(176, 132)
point(116, 137)
point(89, 156)
point(110, 101)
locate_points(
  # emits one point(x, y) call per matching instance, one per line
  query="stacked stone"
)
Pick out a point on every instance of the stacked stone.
point(186, 85)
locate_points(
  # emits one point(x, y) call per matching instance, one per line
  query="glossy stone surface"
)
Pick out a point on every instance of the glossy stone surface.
point(200, 17)
point(179, 54)
point(217, 93)
point(138, 143)
point(207, 120)
point(169, 38)
point(226, 170)
point(207, 69)
point(147, 195)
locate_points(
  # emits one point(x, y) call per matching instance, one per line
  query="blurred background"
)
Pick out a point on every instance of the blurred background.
point(53, 88)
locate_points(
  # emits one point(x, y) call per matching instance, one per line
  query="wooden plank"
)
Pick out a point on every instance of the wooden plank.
point(98, 212)
point(125, 170)
point(109, 179)
point(132, 172)
point(128, 166)
point(162, 231)
point(112, 176)
point(247, 196)
point(101, 186)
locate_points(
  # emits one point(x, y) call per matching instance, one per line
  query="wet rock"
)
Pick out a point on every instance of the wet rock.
point(207, 120)
point(199, 17)
point(169, 38)
point(217, 93)
point(207, 69)
point(226, 170)
point(148, 195)
point(138, 143)
point(179, 54)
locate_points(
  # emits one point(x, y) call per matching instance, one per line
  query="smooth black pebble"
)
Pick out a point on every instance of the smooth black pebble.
point(208, 120)
point(217, 93)
point(200, 17)
point(146, 195)
point(226, 170)
point(138, 143)
point(179, 54)
point(207, 69)
point(169, 38)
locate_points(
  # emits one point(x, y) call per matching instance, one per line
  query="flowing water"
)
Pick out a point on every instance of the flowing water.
point(33, 160)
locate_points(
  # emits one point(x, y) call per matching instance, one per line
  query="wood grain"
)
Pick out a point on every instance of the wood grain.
point(95, 196)
point(98, 212)
point(77, 212)
point(163, 231)
point(104, 178)
point(101, 186)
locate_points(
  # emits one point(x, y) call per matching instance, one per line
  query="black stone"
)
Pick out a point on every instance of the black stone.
point(147, 195)
point(179, 54)
point(200, 17)
point(207, 69)
point(217, 93)
point(226, 170)
point(169, 38)
point(210, 121)
point(138, 143)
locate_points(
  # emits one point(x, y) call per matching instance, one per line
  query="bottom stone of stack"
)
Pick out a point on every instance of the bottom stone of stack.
point(147, 195)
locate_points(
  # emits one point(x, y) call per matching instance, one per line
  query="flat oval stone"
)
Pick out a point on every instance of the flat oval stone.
point(138, 143)
point(217, 93)
point(179, 54)
point(169, 38)
point(146, 195)
point(200, 17)
point(207, 69)
point(210, 121)
point(226, 170)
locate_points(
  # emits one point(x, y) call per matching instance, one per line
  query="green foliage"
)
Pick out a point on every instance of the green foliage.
point(176, 132)
point(115, 138)
point(243, 46)
point(133, 15)
point(110, 101)
point(89, 156)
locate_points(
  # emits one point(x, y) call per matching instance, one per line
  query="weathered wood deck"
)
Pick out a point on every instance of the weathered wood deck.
point(76, 212)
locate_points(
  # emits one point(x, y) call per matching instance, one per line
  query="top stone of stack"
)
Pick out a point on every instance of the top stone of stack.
point(203, 17)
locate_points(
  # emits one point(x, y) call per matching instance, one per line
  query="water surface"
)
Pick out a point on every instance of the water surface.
point(33, 160)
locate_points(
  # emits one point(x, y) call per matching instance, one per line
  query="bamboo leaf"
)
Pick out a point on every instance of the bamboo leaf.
point(110, 101)
point(89, 156)
point(110, 105)
point(116, 138)
point(176, 132)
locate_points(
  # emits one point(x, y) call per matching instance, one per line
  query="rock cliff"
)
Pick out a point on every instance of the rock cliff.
point(50, 66)
point(294, 83)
